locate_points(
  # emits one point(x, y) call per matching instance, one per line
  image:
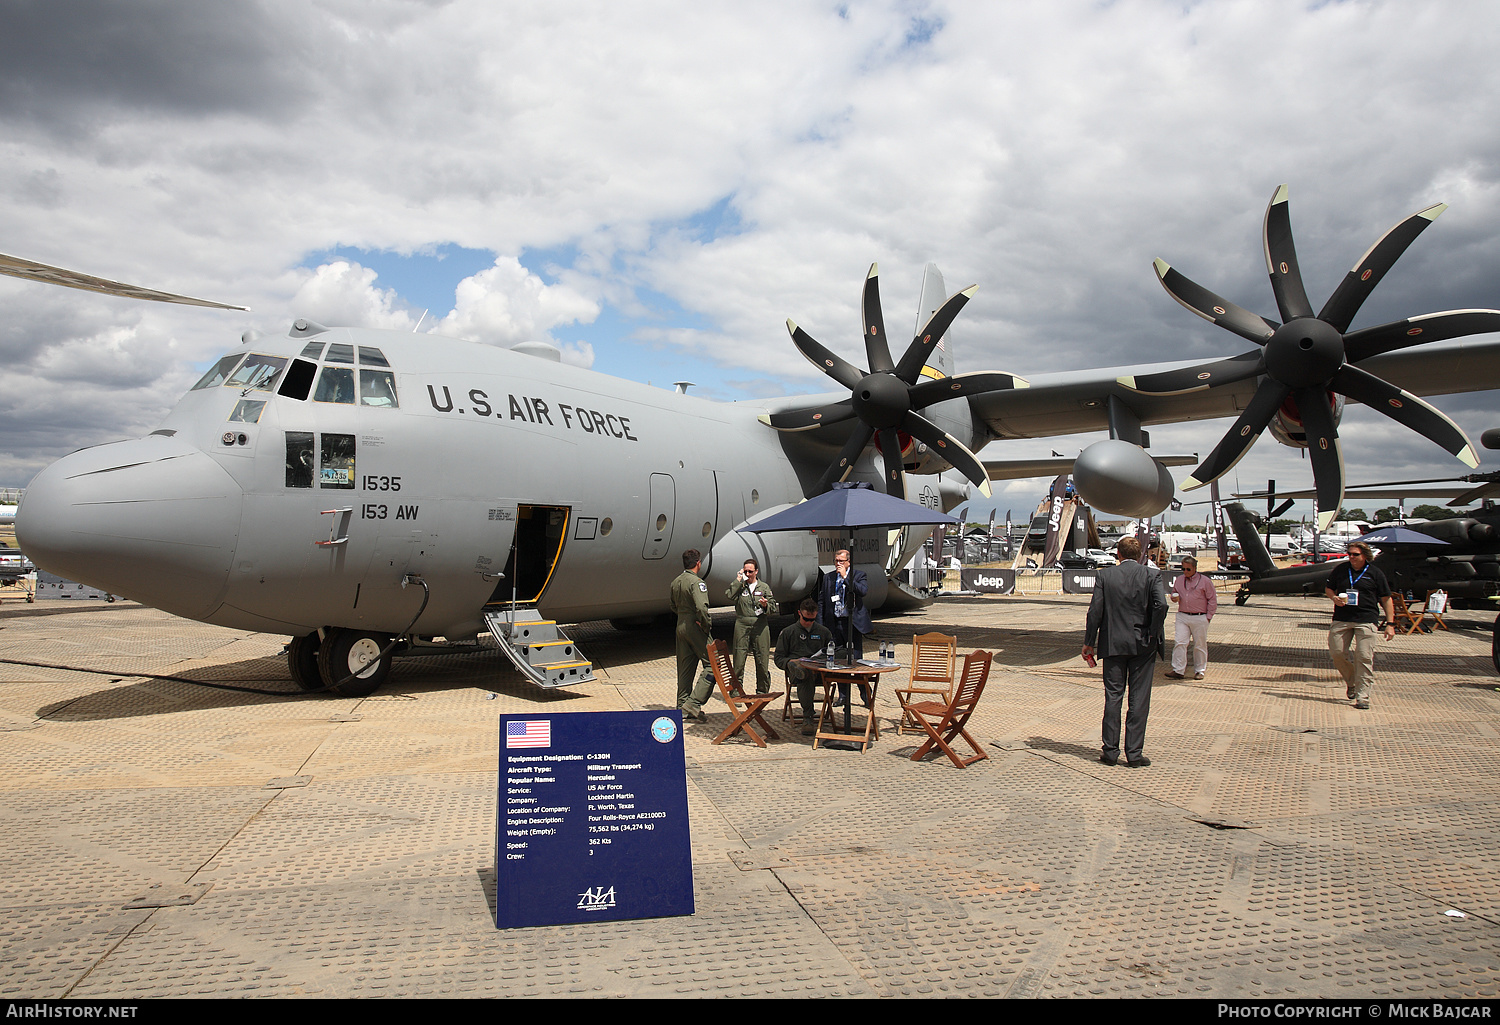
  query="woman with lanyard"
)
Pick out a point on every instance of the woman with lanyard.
point(1362, 594)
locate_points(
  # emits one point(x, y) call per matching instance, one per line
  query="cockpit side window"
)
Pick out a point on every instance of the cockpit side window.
point(377, 388)
point(299, 459)
point(258, 372)
point(312, 350)
point(220, 372)
point(336, 469)
point(369, 356)
point(336, 384)
point(339, 352)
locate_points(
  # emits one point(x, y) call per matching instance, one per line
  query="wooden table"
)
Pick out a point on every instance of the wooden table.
point(852, 675)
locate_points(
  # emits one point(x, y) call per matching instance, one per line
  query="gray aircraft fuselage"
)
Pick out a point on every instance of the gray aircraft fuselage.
point(199, 518)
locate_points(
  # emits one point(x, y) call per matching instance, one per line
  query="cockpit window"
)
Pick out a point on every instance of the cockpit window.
point(297, 381)
point(220, 372)
point(312, 350)
point(258, 372)
point(247, 411)
point(377, 388)
point(335, 384)
point(369, 356)
point(339, 352)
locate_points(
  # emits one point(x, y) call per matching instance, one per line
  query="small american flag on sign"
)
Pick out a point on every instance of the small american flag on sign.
point(528, 733)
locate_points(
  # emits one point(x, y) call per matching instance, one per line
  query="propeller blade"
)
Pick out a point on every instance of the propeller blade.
point(979, 382)
point(1346, 300)
point(1213, 308)
point(890, 448)
point(1323, 451)
point(1204, 375)
point(949, 447)
point(825, 359)
point(1283, 507)
point(922, 344)
point(30, 270)
point(1405, 408)
point(1233, 446)
point(848, 456)
point(809, 418)
point(1431, 327)
point(877, 350)
point(1281, 259)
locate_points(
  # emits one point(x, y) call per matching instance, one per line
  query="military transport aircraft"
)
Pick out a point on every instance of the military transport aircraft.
point(361, 490)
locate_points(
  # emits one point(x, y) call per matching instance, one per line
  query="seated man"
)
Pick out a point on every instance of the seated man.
point(806, 638)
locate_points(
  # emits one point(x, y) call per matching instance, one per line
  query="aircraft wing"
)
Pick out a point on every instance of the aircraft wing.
point(1022, 469)
point(1077, 402)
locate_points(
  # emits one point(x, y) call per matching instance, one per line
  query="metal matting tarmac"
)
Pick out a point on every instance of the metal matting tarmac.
point(169, 839)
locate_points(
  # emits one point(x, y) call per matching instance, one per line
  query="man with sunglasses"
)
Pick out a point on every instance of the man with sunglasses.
point(1362, 594)
point(806, 638)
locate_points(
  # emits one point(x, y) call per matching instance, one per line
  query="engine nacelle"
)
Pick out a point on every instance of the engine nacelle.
point(1117, 477)
point(788, 560)
point(1286, 426)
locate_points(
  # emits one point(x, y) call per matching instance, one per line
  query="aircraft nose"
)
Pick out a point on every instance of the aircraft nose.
point(153, 519)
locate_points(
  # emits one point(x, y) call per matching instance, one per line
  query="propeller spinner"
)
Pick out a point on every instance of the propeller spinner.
point(1305, 357)
point(886, 399)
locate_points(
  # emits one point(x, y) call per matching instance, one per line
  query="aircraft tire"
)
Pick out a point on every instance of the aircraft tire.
point(1242, 597)
point(302, 660)
point(344, 651)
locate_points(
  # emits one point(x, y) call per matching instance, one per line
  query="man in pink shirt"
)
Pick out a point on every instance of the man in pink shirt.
point(1196, 601)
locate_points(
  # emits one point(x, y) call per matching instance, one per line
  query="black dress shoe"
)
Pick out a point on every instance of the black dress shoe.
point(1107, 760)
point(1139, 763)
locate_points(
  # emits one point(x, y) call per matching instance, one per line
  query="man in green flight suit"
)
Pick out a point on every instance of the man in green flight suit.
point(694, 628)
point(754, 605)
point(806, 638)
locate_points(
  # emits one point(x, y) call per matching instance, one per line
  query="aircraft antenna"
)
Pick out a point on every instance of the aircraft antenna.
point(419, 321)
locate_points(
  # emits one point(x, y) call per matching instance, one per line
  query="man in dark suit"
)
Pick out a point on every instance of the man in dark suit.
point(1125, 621)
point(841, 605)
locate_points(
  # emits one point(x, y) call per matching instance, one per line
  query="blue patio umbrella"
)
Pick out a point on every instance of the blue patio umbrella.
point(849, 506)
point(1398, 536)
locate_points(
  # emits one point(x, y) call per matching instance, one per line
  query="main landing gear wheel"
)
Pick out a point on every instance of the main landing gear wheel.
point(302, 660)
point(1241, 597)
point(351, 651)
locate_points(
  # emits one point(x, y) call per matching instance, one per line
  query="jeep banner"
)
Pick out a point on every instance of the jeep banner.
point(988, 581)
point(1075, 581)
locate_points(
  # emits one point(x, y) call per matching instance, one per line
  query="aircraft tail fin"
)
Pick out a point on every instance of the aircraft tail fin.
point(934, 294)
point(1256, 556)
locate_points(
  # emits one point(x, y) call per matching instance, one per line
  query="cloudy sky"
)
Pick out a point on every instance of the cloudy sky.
point(655, 188)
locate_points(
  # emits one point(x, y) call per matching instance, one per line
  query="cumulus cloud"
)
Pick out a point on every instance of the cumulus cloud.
point(344, 293)
point(506, 304)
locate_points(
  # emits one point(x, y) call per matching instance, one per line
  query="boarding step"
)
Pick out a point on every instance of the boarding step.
point(537, 646)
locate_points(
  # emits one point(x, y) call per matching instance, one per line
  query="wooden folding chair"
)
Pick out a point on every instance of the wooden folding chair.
point(944, 722)
point(1406, 620)
point(1435, 609)
point(746, 708)
point(933, 657)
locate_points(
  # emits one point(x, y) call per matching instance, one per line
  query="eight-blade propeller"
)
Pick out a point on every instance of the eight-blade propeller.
point(1305, 357)
point(885, 400)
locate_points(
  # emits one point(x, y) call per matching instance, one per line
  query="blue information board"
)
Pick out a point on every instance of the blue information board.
point(592, 820)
